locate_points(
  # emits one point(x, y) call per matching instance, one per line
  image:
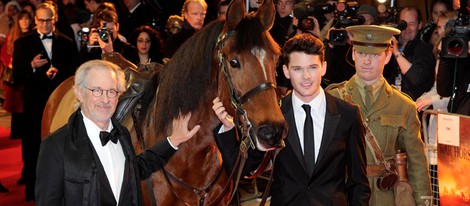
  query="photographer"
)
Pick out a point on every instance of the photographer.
point(282, 28)
point(412, 66)
point(453, 77)
point(304, 20)
point(339, 50)
point(103, 38)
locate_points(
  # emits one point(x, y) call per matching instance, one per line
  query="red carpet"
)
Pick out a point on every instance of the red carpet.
point(10, 170)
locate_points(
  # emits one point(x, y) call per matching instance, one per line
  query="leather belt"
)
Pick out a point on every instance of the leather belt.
point(375, 170)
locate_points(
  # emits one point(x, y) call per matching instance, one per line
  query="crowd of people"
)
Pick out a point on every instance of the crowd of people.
point(382, 78)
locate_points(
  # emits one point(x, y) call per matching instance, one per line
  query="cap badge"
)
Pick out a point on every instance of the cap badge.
point(369, 36)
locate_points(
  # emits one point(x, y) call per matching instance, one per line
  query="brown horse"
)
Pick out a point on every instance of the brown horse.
point(234, 60)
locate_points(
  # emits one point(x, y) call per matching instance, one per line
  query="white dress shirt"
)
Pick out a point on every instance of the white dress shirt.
point(47, 44)
point(318, 111)
point(111, 156)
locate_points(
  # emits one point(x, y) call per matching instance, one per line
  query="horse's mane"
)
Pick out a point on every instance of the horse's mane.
point(186, 79)
point(250, 34)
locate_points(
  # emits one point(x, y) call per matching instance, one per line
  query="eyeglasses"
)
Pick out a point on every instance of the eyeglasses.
point(41, 21)
point(98, 92)
point(287, 3)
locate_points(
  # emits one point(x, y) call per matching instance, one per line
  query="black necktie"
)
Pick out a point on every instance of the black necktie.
point(46, 37)
point(309, 144)
point(106, 136)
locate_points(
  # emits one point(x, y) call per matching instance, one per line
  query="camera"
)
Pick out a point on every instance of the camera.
point(455, 43)
point(345, 16)
point(84, 35)
point(104, 33)
point(304, 10)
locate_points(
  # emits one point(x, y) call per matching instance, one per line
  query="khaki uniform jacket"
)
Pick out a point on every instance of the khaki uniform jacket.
point(394, 122)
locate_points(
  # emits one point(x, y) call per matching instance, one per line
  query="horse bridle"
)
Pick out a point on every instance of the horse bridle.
point(245, 127)
point(237, 101)
point(248, 135)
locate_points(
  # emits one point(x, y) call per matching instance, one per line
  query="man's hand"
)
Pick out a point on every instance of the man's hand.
point(394, 46)
point(94, 36)
point(38, 61)
point(223, 116)
point(107, 47)
point(51, 72)
point(180, 132)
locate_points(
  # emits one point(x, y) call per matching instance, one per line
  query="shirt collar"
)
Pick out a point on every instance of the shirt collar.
point(375, 86)
point(314, 104)
point(41, 35)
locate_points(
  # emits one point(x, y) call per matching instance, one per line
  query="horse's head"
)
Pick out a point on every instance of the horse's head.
point(247, 56)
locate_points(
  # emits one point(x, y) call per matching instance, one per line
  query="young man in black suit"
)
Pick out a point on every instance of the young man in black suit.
point(91, 160)
point(41, 61)
point(324, 161)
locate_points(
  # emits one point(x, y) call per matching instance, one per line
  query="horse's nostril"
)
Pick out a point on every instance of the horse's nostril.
point(266, 132)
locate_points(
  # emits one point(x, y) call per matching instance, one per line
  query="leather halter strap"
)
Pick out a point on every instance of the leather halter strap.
point(201, 193)
point(256, 90)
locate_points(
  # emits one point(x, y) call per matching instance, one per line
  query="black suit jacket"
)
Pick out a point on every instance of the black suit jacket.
point(37, 86)
point(175, 41)
point(342, 152)
point(68, 168)
point(142, 15)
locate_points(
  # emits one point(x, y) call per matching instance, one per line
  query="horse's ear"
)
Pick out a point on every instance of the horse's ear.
point(266, 14)
point(235, 13)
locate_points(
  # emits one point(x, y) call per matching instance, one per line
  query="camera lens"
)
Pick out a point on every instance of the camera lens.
point(456, 46)
point(104, 35)
point(339, 37)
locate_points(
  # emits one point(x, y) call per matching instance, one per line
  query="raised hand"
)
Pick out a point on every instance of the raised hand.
point(180, 132)
point(223, 116)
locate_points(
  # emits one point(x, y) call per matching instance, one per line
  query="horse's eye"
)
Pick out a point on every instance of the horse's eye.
point(234, 63)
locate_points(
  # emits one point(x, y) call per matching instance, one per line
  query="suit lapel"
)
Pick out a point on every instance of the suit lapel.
point(293, 136)
point(332, 118)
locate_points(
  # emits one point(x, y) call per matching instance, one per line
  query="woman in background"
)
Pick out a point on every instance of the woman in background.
point(148, 43)
point(13, 103)
point(429, 32)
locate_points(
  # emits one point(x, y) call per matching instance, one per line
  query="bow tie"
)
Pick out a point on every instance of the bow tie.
point(106, 136)
point(47, 37)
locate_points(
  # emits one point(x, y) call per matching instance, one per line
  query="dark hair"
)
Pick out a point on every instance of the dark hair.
point(155, 39)
point(222, 3)
point(446, 3)
point(306, 43)
point(415, 9)
point(107, 16)
point(24, 4)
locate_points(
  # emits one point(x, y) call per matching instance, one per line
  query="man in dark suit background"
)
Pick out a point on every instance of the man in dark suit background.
point(42, 60)
point(193, 13)
point(138, 13)
point(91, 160)
point(328, 168)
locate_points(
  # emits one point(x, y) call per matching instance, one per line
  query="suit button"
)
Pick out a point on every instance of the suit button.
point(308, 188)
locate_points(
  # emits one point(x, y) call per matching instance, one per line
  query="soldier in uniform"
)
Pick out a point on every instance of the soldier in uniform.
point(390, 114)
